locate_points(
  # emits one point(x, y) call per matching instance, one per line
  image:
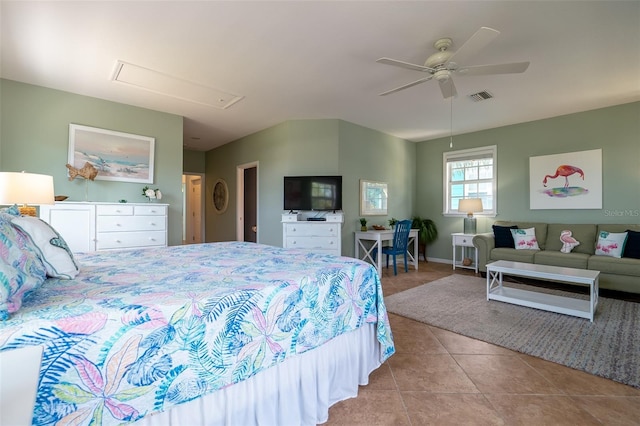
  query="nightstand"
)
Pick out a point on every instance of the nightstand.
point(464, 242)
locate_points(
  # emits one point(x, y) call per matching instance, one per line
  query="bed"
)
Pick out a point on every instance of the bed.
point(221, 333)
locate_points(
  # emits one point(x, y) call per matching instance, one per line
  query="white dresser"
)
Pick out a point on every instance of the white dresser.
point(318, 236)
point(89, 226)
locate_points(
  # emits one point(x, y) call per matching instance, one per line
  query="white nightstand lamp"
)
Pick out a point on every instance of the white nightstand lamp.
point(26, 188)
point(470, 206)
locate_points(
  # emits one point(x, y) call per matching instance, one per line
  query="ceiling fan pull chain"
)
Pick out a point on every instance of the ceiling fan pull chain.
point(451, 122)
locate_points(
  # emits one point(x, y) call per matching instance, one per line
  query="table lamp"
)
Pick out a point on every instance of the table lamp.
point(470, 206)
point(26, 188)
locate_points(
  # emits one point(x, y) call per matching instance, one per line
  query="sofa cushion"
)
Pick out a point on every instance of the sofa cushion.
point(617, 227)
point(541, 229)
point(632, 248)
point(585, 233)
point(615, 266)
point(513, 255)
point(503, 236)
point(566, 260)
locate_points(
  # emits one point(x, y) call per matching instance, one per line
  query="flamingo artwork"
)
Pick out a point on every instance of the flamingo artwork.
point(566, 171)
point(568, 242)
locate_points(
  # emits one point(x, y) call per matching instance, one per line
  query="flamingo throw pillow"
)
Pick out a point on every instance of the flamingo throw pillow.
point(568, 242)
point(525, 239)
point(611, 243)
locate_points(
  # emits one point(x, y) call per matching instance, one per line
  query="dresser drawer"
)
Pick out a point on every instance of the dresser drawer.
point(114, 209)
point(150, 210)
point(312, 230)
point(122, 240)
point(130, 223)
point(463, 240)
point(312, 243)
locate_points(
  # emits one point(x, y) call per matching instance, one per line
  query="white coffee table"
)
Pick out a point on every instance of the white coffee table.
point(534, 299)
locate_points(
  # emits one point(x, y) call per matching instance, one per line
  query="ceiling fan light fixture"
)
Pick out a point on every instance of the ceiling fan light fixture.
point(442, 75)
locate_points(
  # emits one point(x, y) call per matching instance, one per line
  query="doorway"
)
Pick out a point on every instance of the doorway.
point(247, 202)
point(192, 208)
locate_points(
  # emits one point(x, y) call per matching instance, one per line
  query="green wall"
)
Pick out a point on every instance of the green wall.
point(34, 137)
point(616, 130)
point(308, 147)
point(193, 161)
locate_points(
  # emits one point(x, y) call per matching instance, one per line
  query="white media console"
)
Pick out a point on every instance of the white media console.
point(323, 236)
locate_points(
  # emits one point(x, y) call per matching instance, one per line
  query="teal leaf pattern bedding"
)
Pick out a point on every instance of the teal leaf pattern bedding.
point(140, 331)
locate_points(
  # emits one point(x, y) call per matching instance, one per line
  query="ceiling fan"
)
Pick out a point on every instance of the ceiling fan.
point(443, 64)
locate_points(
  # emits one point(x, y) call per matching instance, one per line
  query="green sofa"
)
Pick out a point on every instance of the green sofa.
point(622, 274)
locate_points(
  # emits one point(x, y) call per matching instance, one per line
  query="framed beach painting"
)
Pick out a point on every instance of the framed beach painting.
point(572, 180)
point(118, 156)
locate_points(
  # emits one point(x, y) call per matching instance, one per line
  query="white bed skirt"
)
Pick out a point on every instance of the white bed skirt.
point(298, 391)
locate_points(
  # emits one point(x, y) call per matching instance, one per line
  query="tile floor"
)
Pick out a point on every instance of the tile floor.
point(437, 377)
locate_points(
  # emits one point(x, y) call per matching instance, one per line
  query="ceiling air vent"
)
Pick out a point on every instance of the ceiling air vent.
point(481, 96)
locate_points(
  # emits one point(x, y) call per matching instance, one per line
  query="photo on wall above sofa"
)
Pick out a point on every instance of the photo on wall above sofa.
point(572, 180)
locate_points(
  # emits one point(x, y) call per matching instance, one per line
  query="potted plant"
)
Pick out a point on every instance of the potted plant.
point(363, 224)
point(427, 233)
point(392, 222)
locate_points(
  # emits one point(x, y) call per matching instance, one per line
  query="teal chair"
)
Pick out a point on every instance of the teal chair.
point(399, 247)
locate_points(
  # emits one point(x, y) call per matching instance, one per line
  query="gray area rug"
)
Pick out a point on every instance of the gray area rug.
point(609, 347)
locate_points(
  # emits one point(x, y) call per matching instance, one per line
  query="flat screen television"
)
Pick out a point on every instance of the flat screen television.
point(312, 193)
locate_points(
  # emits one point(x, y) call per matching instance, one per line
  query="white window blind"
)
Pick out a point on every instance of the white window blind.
point(470, 173)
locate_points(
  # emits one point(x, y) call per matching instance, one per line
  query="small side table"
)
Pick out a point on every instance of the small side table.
point(464, 242)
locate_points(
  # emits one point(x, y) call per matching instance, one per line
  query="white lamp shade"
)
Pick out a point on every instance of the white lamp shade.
point(470, 206)
point(25, 188)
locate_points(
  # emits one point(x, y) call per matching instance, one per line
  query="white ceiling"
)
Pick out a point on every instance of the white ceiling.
point(316, 59)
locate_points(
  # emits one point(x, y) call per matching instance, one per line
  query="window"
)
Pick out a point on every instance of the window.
point(470, 173)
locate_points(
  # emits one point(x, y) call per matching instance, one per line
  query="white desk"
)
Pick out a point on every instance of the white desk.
point(378, 237)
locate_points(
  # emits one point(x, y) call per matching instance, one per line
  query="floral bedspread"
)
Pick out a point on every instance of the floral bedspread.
point(141, 331)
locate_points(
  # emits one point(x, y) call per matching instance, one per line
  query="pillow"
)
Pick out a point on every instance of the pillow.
point(21, 271)
point(50, 246)
point(611, 243)
point(525, 239)
point(503, 237)
point(13, 210)
point(568, 242)
point(632, 246)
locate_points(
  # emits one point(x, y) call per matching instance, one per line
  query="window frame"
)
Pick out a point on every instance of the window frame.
point(469, 154)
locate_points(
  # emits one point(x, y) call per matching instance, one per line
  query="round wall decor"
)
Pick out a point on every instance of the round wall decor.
point(220, 196)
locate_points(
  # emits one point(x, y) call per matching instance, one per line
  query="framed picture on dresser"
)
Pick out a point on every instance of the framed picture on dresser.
point(118, 156)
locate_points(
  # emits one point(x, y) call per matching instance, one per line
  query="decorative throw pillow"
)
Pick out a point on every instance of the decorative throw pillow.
point(21, 271)
point(611, 243)
point(568, 242)
point(525, 239)
point(632, 246)
point(503, 237)
point(50, 246)
point(13, 210)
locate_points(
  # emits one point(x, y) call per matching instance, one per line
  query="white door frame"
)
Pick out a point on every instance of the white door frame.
point(240, 200)
point(202, 203)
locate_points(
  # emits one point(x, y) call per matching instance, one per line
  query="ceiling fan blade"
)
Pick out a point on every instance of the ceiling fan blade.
point(513, 68)
point(476, 42)
point(447, 88)
point(405, 65)
point(406, 86)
